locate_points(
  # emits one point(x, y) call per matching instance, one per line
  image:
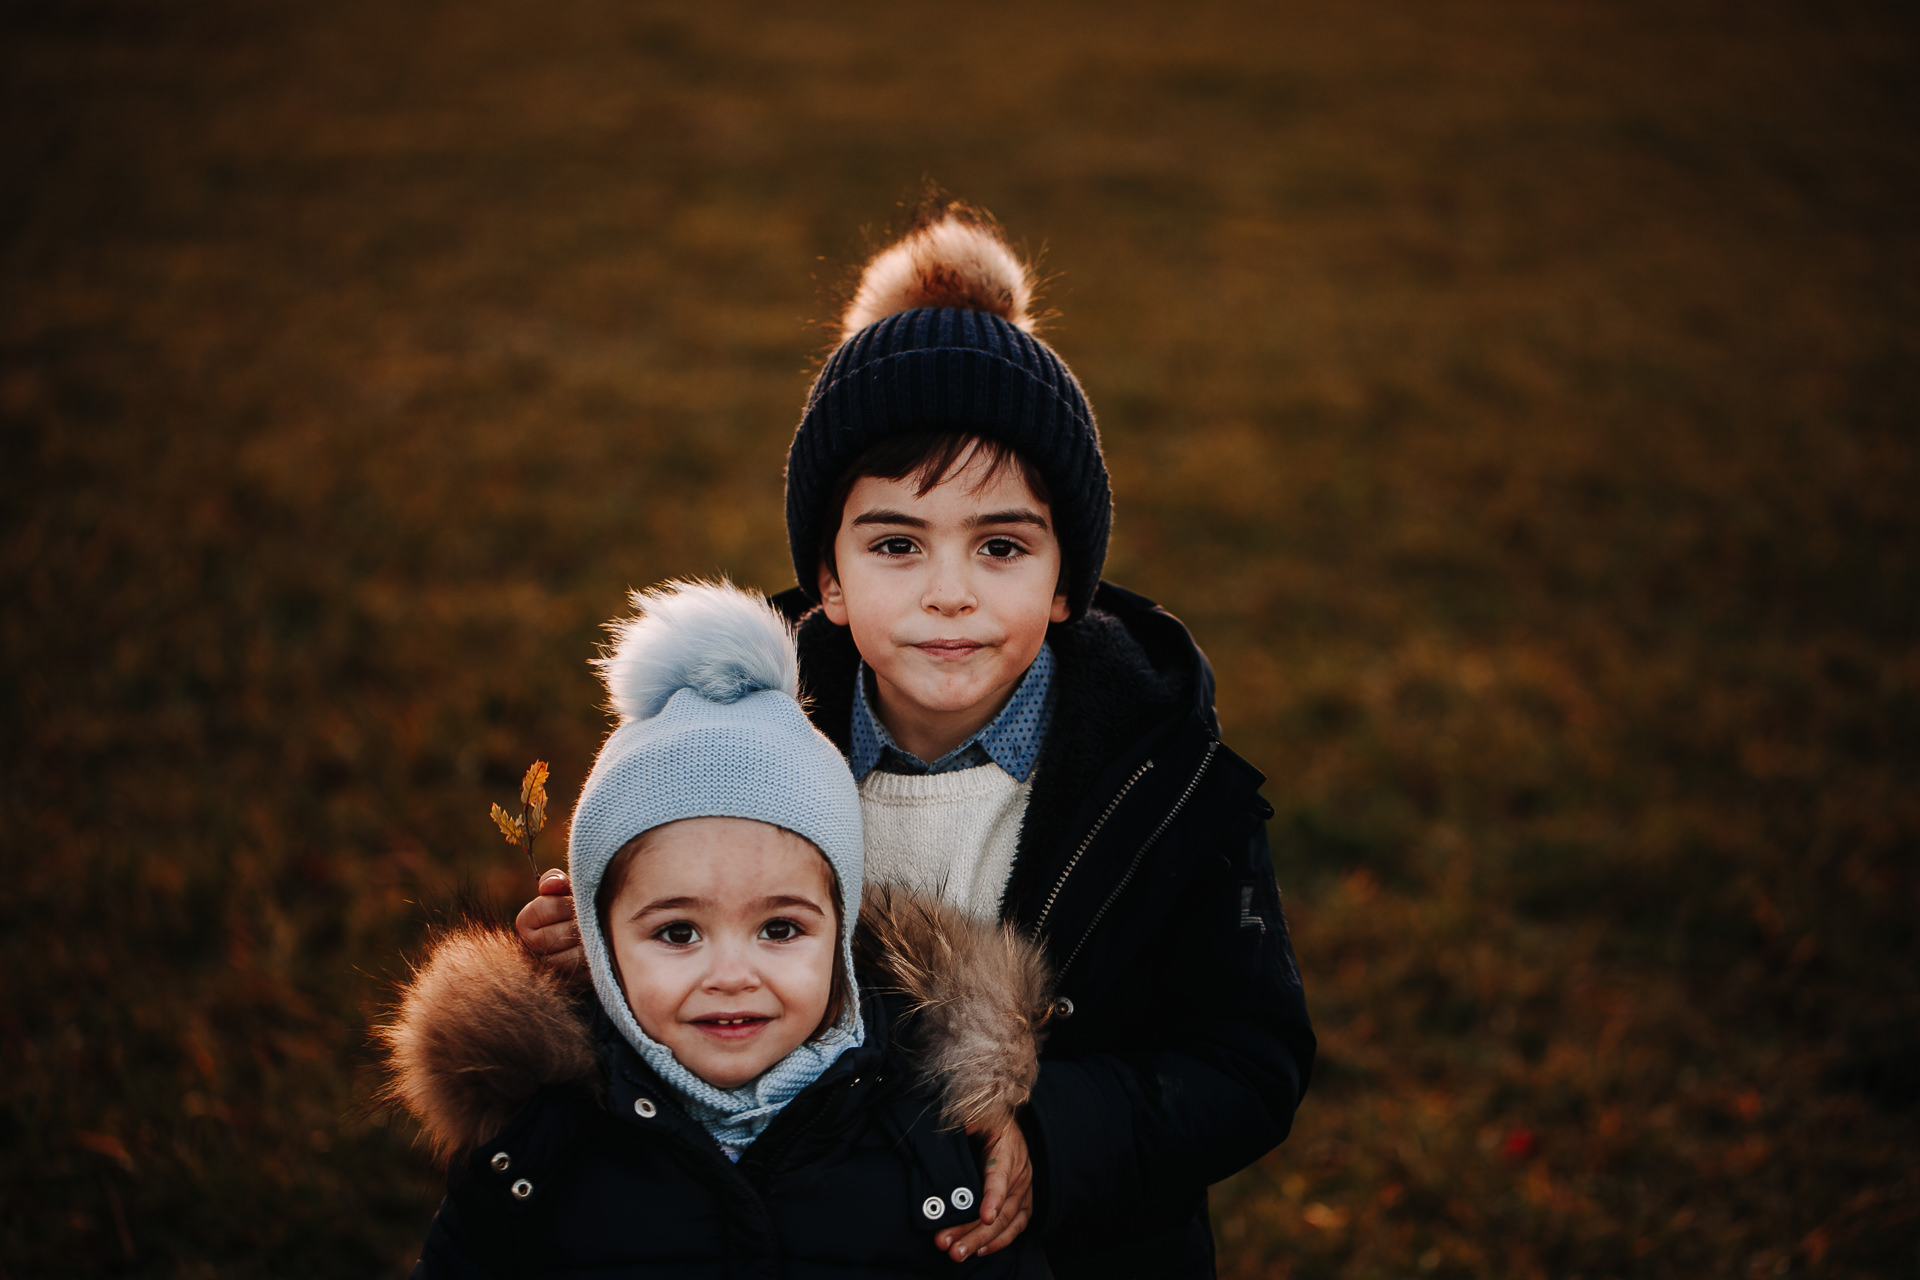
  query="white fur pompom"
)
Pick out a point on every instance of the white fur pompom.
point(956, 258)
point(711, 637)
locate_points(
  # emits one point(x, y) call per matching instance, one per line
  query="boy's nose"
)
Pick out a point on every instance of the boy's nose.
point(948, 591)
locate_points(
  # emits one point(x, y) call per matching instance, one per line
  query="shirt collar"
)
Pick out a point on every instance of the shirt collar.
point(1011, 739)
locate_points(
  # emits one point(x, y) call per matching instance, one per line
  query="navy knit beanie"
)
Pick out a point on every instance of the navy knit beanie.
point(938, 338)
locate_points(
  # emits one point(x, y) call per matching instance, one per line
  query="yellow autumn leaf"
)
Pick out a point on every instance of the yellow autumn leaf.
point(510, 826)
point(533, 794)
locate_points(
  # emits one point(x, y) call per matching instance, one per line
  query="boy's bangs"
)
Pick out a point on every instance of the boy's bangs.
point(929, 459)
point(926, 458)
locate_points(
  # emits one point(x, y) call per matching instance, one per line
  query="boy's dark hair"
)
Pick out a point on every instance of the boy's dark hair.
point(926, 458)
point(938, 343)
point(614, 879)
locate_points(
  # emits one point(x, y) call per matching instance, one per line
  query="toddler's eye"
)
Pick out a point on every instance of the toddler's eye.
point(678, 934)
point(780, 931)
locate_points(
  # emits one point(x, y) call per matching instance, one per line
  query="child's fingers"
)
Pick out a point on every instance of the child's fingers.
point(1006, 1198)
point(984, 1237)
point(993, 1189)
point(547, 927)
point(1017, 1202)
point(1015, 1213)
point(971, 1236)
point(1009, 1170)
point(1016, 1222)
point(543, 914)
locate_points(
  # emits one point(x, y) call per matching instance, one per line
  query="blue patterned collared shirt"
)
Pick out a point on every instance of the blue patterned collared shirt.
point(1011, 739)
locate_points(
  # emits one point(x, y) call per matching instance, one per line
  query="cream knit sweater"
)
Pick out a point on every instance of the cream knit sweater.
point(947, 835)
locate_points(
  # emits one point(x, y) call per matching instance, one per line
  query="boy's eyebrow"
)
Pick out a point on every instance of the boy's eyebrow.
point(889, 517)
point(1015, 515)
point(1018, 515)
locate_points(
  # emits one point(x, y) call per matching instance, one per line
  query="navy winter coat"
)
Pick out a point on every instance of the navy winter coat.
point(572, 1158)
point(1143, 866)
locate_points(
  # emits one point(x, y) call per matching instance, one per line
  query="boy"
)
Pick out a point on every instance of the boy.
point(1039, 746)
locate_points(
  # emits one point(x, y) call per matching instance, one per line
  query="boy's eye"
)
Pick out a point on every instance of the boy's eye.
point(894, 546)
point(780, 931)
point(1002, 548)
point(678, 934)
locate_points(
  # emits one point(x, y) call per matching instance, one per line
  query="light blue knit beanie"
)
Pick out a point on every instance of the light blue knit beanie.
point(706, 683)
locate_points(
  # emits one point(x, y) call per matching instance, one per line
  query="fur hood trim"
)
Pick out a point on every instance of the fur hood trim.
point(483, 1025)
point(980, 995)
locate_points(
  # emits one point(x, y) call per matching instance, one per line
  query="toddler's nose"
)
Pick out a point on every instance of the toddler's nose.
point(732, 968)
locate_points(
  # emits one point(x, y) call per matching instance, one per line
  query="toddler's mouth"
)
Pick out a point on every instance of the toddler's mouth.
point(733, 1026)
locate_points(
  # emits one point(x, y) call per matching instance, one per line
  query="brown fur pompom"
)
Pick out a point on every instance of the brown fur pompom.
point(954, 257)
point(480, 1028)
point(981, 993)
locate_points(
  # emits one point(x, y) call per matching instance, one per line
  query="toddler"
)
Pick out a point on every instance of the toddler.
point(731, 1101)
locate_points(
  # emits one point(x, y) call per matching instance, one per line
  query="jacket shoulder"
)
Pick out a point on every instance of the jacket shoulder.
point(480, 1028)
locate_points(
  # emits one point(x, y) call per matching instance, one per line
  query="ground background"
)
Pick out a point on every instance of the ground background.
point(1517, 399)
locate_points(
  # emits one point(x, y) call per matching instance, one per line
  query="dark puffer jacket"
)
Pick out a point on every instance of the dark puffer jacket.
point(1143, 866)
point(570, 1157)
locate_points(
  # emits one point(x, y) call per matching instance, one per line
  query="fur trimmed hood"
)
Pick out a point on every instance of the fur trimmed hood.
point(483, 1025)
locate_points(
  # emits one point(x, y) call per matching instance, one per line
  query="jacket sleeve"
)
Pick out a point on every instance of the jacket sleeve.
point(1206, 1067)
point(451, 1251)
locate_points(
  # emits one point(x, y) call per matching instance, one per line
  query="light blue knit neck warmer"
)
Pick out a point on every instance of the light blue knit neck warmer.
point(735, 1117)
point(706, 683)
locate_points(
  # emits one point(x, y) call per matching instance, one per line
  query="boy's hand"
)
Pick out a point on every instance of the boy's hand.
point(547, 927)
point(1006, 1202)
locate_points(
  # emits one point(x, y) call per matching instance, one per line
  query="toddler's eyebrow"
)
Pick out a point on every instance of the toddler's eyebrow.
point(685, 903)
point(669, 904)
point(788, 900)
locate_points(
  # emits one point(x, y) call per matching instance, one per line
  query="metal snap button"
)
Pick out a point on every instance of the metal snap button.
point(933, 1207)
point(1063, 1008)
point(962, 1198)
point(644, 1108)
point(501, 1160)
point(522, 1189)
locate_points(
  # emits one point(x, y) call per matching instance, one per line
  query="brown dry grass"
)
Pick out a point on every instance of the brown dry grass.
point(1518, 400)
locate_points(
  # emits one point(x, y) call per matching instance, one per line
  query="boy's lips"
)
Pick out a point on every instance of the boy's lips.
point(949, 648)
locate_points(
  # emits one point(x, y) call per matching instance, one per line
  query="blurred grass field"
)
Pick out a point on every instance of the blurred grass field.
point(1518, 401)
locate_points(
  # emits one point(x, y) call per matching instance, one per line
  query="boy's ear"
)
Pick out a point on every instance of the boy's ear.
point(1060, 609)
point(833, 600)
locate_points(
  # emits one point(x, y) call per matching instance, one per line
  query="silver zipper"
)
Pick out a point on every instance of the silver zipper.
point(1040, 922)
point(1134, 866)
